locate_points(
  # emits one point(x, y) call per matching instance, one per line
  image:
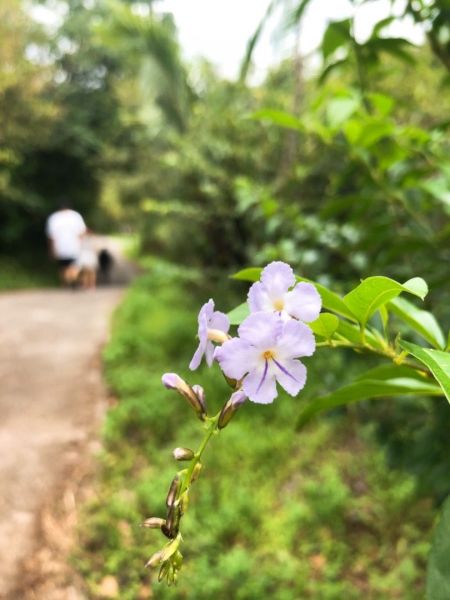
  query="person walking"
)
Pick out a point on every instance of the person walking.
point(65, 229)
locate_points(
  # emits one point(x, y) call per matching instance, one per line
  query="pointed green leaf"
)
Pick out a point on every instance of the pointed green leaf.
point(365, 389)
point(438, 571)
point(391, 371)
point(250, 274)
point(238, 314)
point(331, 300)
point(422, 321)
point(373, 292)
point(438, 362)
point(325, 325)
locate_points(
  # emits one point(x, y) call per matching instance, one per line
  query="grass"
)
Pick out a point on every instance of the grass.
point(274, 514)
point(23, 274)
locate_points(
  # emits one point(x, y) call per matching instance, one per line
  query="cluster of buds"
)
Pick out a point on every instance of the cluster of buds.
point(195, 395)
point(169, 559)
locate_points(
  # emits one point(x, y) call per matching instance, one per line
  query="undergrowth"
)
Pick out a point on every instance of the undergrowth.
point(275, 514)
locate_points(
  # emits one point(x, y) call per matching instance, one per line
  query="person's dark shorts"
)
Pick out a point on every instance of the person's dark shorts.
point(63, 263)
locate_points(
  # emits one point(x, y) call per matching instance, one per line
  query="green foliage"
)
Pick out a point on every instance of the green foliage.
point(273, 514)
point(438, 584)
point(438, 363)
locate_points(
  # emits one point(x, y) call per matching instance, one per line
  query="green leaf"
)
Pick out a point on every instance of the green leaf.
point(336, 35)
point(422, 321)
point(373, 292)
point(331, 300)
point(340, 109)
point(381, 25)
point(352, 333)
point(325, 325)
point(390, 371)
point(364, 389)
point(278, 117)
point(438, 362)
point(438, 571)
point(384, 315)
point(238, 314)
point(250, 274)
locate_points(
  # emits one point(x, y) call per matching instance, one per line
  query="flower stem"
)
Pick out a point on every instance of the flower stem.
point(211, 429)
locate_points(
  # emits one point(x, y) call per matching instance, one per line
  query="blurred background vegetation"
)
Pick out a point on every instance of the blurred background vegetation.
point(339, 166)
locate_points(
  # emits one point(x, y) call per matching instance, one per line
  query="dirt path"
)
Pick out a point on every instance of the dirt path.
point(51, 401)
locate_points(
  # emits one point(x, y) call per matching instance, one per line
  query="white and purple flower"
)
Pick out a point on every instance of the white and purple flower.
point(266, 352)
point(271, 294)
point(212, 326)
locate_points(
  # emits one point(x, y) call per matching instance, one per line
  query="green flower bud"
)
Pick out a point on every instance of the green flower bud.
point(196, 472)
point(155, 559)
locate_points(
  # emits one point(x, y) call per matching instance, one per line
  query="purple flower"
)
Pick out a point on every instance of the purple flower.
point(212, 326)
point(266, 352)
point(272, 294)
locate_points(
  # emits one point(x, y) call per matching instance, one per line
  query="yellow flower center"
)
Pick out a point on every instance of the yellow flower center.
point(268, 354)
point(278, 304)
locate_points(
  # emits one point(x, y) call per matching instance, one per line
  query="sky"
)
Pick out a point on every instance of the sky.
point(220, 29)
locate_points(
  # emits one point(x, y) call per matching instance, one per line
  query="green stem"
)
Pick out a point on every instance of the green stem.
point(211, 429)
point(388, 353)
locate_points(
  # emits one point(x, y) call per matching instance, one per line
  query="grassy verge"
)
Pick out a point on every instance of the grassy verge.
point(23, 274)
point(275, 514)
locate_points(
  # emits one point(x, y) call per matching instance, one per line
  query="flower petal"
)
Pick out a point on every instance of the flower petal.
point(197, 358)
point(236, 357)
point(204, 316)
point(258, 299)
point(209, 353)
point(277, 278)
point(296, 339)
point(303, 302)
point(219, 320)
point(291, 375)
point(260, 386)
point(261, 329)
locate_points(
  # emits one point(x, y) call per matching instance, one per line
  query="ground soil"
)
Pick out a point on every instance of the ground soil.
point(52, 401)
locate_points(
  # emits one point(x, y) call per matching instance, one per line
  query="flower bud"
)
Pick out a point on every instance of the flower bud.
point(173, 521)
point(200, 393)
point(230, 408)
point(172, 381)
point(216, 335)
point(183, 454)
point(163, 571)
point(153, 523)
point(173, 491)
point(155, 559)
point(196, 472)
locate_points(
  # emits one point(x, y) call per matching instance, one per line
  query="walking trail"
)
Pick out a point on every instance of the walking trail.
point(52, 400)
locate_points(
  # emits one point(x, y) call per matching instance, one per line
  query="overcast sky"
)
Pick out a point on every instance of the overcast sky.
point(220, 29)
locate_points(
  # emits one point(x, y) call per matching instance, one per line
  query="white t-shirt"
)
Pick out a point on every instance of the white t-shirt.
point(65, 228)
